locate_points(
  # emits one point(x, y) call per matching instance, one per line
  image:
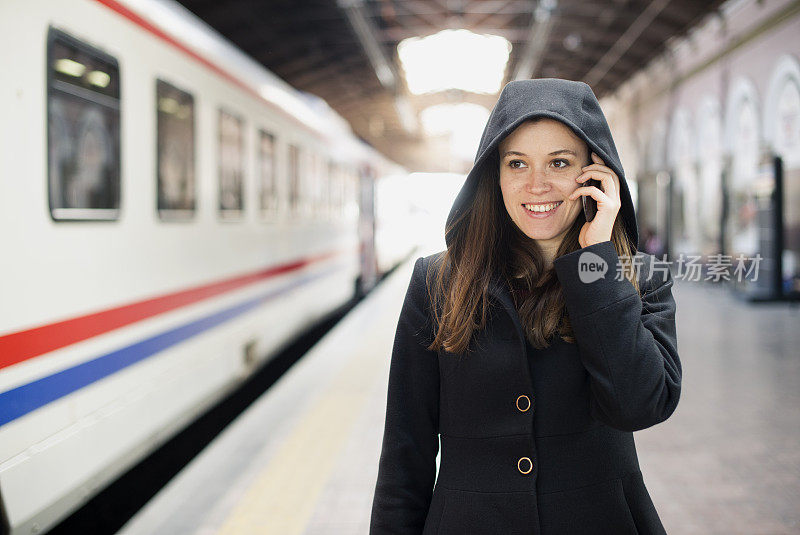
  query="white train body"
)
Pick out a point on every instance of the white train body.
point(120, 324)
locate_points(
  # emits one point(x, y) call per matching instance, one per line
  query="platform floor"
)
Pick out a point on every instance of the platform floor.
point(303, 458)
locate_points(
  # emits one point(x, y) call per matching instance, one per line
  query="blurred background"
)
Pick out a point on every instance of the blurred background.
point(210, 210)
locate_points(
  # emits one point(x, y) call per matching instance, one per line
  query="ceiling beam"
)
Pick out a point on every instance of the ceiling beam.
point(298, 62)
point(366, 32)
point(412, 9)
point(625, 41)
point(657, 31)
point(383, 66)
point(288, 39)
point(325, 70)
point(534, 48)
point(588, 56)
point(395, 35)
point(480, 6)
point(499, 18)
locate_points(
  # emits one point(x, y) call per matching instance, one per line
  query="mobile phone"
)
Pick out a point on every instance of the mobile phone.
point(589, 204)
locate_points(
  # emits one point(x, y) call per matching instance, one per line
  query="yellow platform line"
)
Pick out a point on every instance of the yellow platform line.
point(283, 497)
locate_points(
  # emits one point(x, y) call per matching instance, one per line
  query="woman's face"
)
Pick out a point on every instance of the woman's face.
point(539, 162)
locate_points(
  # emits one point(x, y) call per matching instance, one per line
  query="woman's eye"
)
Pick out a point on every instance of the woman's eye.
point(565, 162)
point(512, 162)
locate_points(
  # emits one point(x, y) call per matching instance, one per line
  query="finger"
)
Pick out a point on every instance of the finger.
point(598, 165)
point(607, 181)
point(593, 192)
point(606, 209)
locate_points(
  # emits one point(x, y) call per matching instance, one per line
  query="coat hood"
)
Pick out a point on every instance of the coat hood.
point(571, 102)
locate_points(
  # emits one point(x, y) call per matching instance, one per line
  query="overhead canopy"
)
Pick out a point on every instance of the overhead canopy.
point(346, 51)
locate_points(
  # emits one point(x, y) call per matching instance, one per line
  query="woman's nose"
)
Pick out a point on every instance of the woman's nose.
point(537, 180)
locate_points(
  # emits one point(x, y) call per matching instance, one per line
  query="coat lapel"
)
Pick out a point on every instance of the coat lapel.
point(499, 290)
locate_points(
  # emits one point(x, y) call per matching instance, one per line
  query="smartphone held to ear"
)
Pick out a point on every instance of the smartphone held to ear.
point(589, 204)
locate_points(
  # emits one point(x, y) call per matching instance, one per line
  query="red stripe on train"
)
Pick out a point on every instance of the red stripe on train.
point(23, 345)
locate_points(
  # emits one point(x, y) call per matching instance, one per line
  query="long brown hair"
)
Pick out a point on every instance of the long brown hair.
point(484, 241)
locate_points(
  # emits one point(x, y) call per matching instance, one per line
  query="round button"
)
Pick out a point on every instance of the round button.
point(523, 403)
point(520, 463)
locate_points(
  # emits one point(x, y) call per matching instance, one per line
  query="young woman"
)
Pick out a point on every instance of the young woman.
point(535, 344)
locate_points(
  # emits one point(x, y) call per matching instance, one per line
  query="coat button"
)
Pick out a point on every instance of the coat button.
point(524, 462)
point(523, 403)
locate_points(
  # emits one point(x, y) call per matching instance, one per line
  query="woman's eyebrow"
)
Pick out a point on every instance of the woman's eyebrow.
point(559, 151)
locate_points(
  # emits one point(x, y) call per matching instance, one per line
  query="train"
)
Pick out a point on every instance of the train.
point(172, 214)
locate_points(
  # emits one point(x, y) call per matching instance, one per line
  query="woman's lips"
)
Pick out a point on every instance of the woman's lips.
point(542, 215)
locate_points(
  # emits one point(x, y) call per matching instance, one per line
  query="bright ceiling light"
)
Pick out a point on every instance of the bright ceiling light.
point(70, 67)
point(457, 59)
point(168, 105)
point(572, 41)
point(463, 122)
point(99, 78)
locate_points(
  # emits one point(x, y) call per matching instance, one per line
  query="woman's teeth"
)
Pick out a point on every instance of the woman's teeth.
point(541, 207)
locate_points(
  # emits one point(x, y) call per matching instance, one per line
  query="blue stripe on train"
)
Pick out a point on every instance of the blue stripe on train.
point(29, 397)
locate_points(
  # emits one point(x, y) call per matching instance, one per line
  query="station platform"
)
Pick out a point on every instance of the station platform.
point(303, 458)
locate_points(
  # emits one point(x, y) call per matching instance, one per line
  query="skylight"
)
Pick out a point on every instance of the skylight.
point(454, 58)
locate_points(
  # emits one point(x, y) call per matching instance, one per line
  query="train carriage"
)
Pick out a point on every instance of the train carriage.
point(173, 213)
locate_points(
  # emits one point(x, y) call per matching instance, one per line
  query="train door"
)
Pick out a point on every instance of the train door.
point(366, 230)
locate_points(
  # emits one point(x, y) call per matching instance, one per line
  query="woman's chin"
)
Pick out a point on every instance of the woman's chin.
point(542, 232)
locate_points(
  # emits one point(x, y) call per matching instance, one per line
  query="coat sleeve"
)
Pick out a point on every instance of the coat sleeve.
point(627, 342)
point(407, 467)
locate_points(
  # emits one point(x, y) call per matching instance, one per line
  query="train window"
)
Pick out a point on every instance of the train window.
point(309, 188)
point(294, 179)
point(231, 165)
point(312, 186)
point(175, 151)
point(267, 173)
point(334, 191)
point(322, 186)
point(83, 123)
point(350, 194)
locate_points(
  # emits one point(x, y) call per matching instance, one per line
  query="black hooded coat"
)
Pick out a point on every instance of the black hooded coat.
point(533, 441)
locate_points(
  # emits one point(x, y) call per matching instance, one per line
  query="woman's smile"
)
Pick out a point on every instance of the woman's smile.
point(542, 211)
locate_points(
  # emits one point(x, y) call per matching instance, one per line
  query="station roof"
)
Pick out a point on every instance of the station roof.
point(345, 51)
